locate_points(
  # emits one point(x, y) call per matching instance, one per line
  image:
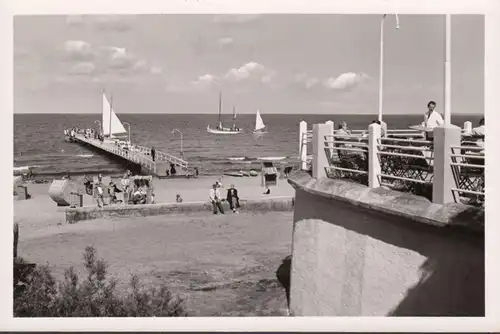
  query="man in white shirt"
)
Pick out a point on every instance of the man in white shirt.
point(215, 199)
point(431, 119)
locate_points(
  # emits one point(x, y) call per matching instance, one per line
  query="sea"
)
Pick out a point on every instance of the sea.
point(39, 140)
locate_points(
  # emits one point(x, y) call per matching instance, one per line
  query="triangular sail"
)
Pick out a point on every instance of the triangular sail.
point(111, 124)
point(259, 123)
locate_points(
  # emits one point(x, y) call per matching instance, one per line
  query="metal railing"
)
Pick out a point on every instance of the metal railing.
point(410, 161)
point(162, 156)
point(467, 163)
point(347, 157)
point(127, 154)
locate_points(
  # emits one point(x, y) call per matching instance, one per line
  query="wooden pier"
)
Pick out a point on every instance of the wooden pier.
point(138, 155)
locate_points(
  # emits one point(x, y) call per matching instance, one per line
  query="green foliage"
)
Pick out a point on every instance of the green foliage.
point(94, 296)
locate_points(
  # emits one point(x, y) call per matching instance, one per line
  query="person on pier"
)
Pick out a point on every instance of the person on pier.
point(153, 153)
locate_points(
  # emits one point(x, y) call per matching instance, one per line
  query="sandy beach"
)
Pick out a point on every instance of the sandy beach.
point(40, 211)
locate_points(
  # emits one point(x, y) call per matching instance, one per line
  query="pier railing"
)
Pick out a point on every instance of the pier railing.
point(162, 156)
point(444, 169)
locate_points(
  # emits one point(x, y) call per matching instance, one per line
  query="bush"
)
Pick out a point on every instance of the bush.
point(95, 296)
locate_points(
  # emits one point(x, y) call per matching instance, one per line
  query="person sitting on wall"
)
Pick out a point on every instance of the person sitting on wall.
point(215, 199)
point(233, 199)
point(113, 190)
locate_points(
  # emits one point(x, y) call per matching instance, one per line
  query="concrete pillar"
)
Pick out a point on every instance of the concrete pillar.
point(374, 134)
point(445, 136)
point(330, 138)
point(303, 144)
point(468, 127)
point(320, 160)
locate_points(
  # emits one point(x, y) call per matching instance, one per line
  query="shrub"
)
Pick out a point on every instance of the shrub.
point(95, 296)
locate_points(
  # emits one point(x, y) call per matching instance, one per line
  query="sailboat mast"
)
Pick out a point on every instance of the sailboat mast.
point(110, 116)
point(220, 107)
point(234, 117)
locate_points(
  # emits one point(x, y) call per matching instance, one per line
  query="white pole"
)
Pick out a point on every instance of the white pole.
point(128, 124)
point(447, 73)
point(381, 70)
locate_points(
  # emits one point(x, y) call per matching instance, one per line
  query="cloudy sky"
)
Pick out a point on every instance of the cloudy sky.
point(278, 63)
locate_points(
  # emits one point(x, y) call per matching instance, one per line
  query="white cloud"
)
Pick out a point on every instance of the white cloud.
point(78, 50)
point(205, 81)
point(82, 68)
point(346, 80)
point(225, 41)
point(121, 59)
point(247, 71)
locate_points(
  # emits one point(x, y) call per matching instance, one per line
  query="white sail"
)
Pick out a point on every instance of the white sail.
point(111, 124)
point(259, 123)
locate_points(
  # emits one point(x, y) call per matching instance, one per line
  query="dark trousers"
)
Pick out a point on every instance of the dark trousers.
point(153, 155)
point(217, 205)
point(233, 203)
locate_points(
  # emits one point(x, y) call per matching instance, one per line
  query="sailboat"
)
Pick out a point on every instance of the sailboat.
point(220, 129)
point(111, 124)
point(260, 127)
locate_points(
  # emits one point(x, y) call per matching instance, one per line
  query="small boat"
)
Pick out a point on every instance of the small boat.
point(260, 127)
point(253, 173)
point(234, 174)
point(220, 129)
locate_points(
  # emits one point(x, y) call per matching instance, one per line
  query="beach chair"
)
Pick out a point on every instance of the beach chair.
point(269, 174)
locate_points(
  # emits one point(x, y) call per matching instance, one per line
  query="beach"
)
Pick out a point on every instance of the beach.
point(40, 211)
point(224, 265)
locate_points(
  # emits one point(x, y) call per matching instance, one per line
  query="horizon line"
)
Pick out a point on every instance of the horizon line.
point(348, 114)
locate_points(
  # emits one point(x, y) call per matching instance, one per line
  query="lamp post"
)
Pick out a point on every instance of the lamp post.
point(173, 131)
point(128, 131)
point(381, 77)
point(447, 72)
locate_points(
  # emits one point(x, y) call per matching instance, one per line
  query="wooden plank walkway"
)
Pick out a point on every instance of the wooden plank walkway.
point(140, 155)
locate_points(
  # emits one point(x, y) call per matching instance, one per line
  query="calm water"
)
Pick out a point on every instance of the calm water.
point(39, 141)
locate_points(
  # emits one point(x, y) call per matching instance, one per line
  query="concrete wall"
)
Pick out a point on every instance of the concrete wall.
point(376, 252)
point(74, 215)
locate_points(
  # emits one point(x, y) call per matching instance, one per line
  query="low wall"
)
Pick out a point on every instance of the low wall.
point(74, 215)
point(376, 252)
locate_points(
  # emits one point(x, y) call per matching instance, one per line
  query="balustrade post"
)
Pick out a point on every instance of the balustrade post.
point(319, 146)
point(374, 169)
point(330, 139)
point(445, 136)
point(303, 144)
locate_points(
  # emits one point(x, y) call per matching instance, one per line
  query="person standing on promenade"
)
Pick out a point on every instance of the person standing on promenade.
point(215, 199)
point(153, 153)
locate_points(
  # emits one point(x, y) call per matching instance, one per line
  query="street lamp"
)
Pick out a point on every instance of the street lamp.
point(381, 77)
point(173, 131)
point(128, 130)
point(447, 72)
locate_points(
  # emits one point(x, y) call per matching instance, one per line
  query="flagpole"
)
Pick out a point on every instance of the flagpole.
point(447, 72)
point(381, 67)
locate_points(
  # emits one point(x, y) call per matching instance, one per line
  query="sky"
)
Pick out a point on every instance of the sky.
point(300, 64)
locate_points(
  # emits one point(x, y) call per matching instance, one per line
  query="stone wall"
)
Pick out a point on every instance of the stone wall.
point(375, 252)
point(74, 215)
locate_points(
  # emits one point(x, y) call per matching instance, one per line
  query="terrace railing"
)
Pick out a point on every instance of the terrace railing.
point(441, 169)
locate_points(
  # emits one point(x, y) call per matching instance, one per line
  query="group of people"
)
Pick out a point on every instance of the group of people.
point(231, 197)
